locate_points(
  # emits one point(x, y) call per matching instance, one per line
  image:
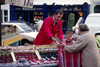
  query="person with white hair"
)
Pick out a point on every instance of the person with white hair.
point(39, 24)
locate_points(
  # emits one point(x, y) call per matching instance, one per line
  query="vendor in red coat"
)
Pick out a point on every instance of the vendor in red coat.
point(51, 26)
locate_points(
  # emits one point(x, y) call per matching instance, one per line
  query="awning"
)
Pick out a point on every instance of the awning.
point(22, 3)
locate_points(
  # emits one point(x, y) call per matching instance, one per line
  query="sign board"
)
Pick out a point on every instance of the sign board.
point(22, 3)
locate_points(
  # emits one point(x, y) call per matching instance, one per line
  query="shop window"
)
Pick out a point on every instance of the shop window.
point(31, 19)
point(77, 16)
point(19, 16)
point(25, 18)
point(80, 14)
point(37, 15)
point(64, 20)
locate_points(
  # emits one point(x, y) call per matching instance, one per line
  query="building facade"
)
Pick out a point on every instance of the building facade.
point(30, 15)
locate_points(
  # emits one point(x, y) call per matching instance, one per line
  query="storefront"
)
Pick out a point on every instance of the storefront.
point(42, 11)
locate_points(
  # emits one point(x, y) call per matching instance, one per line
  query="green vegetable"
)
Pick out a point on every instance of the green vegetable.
point(98, 42)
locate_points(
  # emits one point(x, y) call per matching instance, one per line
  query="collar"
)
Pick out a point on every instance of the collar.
point(53, 19)
point(84, 32)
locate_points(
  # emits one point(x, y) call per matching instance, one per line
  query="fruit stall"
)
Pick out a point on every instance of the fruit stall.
point(28, 56)
point(38, 56)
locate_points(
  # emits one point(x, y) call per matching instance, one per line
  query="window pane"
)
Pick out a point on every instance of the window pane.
point(5, 19)
point(64, 20)
point(5, 12)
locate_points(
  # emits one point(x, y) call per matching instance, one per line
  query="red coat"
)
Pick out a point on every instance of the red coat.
point(47, 31)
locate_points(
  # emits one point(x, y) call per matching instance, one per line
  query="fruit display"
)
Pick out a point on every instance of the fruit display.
point(25, 56)
point(98, 40)
point(68, 59)
point(5, 56)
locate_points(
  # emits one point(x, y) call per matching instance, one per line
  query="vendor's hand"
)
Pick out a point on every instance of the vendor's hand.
point(61, 45)
point(57, 42)
point(63, 40)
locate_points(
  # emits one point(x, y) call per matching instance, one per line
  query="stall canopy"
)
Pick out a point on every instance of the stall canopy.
point(22, 3)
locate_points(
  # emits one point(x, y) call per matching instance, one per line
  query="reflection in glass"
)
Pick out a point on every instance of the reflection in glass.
point(25, 28)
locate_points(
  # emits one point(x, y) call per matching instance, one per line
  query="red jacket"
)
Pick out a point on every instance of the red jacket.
point(47, 31)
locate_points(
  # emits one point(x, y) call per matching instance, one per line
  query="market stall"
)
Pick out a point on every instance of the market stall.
point(35, 56)
point(10, 36)
point(27, 56)
point(39, 56)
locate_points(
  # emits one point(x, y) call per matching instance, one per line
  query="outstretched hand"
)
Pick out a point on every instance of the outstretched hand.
point(61, 44)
